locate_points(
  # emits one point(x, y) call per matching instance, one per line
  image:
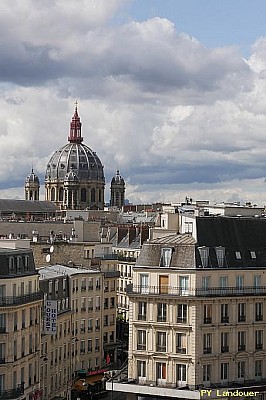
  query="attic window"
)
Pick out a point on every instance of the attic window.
point(238, 255)
point(220, 251)
point(204, 256)
point(166, 255)
point(253, 254)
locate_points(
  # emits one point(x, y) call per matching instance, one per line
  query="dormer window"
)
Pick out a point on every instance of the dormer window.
point(238, 255)
point(253, 255)
point(204, 256)
point(220, 252)
point(11, 265)
point(166, 255)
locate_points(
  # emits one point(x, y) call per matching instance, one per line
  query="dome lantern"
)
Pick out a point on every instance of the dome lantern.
point(75, 128)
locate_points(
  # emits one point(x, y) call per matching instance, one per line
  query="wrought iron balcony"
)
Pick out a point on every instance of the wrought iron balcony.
point(12, 393)
point(8, 301)
point(195, 292)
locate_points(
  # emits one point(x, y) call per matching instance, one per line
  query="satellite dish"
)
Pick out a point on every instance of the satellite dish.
point(48, 258)
point(51, 249)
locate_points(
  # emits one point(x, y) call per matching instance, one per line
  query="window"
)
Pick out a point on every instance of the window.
point(240, 282)
point(220, 252)
point(238, 255)
point(82, 347)
point(160, 370)
point(89, 345)
point(224, 313)
point(207, 343)
point(90, 303)
point(97, 344)
point(258, 369)
point(98, 303)
point(161, 312)
point(241, 340)
point(259, 311)
point(93, 195)
point(182, 313)
point(166, 255)
point(2, 323)
point(144, 283)
point(224, 342)
point(204, 256)
point(224, 371)
point(2, 353)
point(188, 227)
point(241, 312)
point(11, 265)
point(259, 339)
point(181, 343)
point(23, 323)
point(142, 315)
point(206, 282)
point(161, 341)
point(82, 326)
point(90, 323)
point(183, 284)
point(181, 374)
point(241, 369)
point(253, 254)
point(206, 372)
point(141, 338)
point(83, 195)
point(223, 281)
point(257, 281)
point(207, 314)
point(141, 367)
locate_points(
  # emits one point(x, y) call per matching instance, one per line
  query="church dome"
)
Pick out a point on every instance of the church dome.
point(74, 176)
point(118, 179)
point(32, 178)
point(75, 156)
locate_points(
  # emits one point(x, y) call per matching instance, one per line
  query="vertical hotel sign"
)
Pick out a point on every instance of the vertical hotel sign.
point(50, 317)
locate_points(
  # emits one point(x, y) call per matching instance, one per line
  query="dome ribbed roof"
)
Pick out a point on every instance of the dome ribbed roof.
point(32, 178)
point(118, 178)
point(76, 157)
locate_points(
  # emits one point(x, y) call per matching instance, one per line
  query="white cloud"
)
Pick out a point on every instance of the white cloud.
point(175, 117)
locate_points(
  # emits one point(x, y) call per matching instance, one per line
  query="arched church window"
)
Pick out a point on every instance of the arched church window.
point(100, 195)
point(53, 194)
point(83, 195)
point(93, 195)
point(61, 194)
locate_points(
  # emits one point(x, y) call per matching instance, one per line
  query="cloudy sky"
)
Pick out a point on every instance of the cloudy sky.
point(171, 92)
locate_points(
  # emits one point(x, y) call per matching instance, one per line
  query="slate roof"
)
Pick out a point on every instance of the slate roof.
point(234, 234)
point(24, 206)
point(183, 251)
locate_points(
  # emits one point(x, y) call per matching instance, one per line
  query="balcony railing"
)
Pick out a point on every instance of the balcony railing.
point(12, 393)
point(118, 257)
point(18, 300)
point(197, 292)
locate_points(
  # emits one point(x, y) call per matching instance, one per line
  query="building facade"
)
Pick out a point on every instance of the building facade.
point(197, 312)
point(20, 311)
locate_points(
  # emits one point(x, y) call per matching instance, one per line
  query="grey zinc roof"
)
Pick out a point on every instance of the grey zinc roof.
point(177, 239)
point(183, 252)
point(12, 205)
point(60, 270)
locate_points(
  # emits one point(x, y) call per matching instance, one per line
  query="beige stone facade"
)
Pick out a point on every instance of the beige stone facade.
point(194, 327)
point(20, 310)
